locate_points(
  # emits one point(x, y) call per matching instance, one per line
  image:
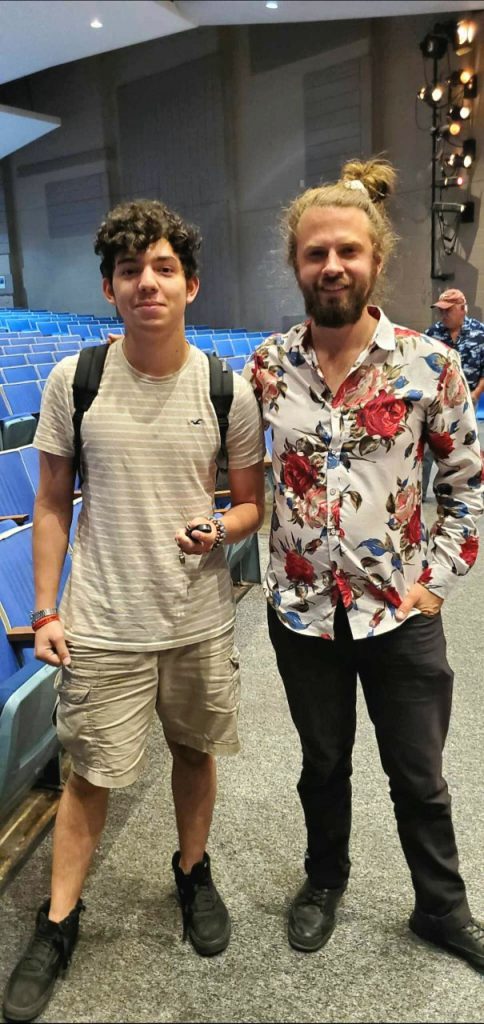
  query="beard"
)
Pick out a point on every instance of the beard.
point(339, 309)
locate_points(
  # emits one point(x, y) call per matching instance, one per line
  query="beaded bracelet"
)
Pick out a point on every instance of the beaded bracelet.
point(221, 532)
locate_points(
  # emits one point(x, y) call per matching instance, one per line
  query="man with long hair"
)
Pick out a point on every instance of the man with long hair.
point(355, 584)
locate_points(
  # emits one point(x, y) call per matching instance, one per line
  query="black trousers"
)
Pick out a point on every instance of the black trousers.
point(407, 684)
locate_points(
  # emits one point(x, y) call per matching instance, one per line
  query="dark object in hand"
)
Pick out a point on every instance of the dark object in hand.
point(202, 527)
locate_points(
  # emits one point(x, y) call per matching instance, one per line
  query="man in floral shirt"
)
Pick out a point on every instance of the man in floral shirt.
point(355, 583)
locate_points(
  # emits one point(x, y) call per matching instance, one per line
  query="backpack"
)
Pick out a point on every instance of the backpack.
point(87, 379)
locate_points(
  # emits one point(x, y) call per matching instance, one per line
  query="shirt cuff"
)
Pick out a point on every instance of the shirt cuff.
point(438, 580)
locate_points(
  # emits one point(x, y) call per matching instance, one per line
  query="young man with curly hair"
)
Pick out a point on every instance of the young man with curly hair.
point(147, 619)
point(354, 584)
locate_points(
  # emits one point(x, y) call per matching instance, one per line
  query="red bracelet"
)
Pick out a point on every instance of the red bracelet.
point(43, 622)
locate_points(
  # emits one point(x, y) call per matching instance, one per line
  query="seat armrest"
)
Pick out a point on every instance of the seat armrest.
point(18, 518)
point(21, 635)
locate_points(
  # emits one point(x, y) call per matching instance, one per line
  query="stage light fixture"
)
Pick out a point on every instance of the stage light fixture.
point(463, 159)
point(460, 112)
point(464, 35)
point(431, 93)
point(469, 152)
point(470, 88)
point(462, 77)
point(449, 207)
point(435, 44)
point(453, 128)
point(451, 181)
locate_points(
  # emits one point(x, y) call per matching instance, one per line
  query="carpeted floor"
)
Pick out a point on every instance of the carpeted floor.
point(131, 965)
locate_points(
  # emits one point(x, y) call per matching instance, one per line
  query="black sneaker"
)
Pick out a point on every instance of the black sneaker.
point(466, 941)
point(49, 952)
point(312, 917)
point(205, 917)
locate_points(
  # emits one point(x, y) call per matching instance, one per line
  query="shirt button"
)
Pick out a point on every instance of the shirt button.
point(332, 531)
point(333, 490)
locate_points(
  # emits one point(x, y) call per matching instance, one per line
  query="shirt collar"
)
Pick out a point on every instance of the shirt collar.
point(384, 335)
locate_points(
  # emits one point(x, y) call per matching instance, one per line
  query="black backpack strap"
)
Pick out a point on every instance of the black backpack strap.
point(85, 387)
point(221, 395)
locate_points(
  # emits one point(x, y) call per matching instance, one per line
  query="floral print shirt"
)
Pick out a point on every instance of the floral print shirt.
point(347, 468)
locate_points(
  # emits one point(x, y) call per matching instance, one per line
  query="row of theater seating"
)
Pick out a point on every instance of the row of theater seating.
point(28, 742)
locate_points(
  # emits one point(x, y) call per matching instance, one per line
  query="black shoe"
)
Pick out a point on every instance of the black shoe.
point(48, 953)
point(312, 917)
point(466, 941)
point(205, 917)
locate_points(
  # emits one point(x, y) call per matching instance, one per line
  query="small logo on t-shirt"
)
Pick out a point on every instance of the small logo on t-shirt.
point(196, 423)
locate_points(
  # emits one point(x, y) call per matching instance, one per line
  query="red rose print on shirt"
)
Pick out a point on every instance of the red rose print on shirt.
point(405, 503)
point(388, 594)
point(267, 382)
point(413, 529)
point(469, 549)
point(441, 444)
point(382, 416)
point(299, 474)
point(425, 576)
point(359, 388)
point(298, 569)
point(452, 387)
point(343, 588)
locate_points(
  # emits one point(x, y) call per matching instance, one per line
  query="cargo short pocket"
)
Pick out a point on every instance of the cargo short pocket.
point(70, 689)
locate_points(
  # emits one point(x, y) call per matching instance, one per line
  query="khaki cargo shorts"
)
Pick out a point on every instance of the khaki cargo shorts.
point(106, 701)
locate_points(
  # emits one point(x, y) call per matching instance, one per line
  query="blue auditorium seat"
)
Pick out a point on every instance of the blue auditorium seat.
point(79, 329)
point(49, 327)
point(8, 360)
point(76, 509)
point(17, 374)
point(43, 370)
point(5, 409)
point(17, 493)
point(29, 748)
point(204, 342)
point(41, 355)
point(237, 363)
point(23, 399)
point(30, 459)
point(69, 347)
point(241, 346)
point(18, 430)
point(243, 560)
point(480, 408)
point(28, 742)
point(223, 348)
point(17, 323)
point(19, 350)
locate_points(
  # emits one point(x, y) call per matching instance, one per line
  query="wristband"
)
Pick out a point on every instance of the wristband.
point(43, 622)
point(35, 616)
point(221, 533)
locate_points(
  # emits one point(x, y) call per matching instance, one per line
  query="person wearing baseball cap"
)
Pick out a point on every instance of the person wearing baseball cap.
point(465, 334)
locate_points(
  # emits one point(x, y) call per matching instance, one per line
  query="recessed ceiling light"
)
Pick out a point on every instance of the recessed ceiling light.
point(96, 23)
point(272, 5)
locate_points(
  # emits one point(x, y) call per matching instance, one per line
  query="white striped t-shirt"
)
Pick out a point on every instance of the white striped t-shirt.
point(149, 446)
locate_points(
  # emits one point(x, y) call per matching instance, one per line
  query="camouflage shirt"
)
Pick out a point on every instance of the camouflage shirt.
point(469, 344)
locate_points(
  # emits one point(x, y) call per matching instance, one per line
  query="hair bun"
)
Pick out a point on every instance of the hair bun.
point(378, 176)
